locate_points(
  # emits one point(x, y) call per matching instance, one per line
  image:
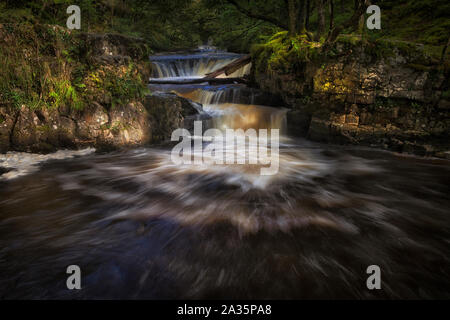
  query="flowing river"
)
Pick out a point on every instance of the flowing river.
point(140, 226)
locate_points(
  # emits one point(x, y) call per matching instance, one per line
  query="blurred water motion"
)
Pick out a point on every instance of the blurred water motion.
point(140, 227)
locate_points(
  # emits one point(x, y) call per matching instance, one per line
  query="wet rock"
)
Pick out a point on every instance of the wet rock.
point(136, 123)
point(7, 121)
point(298, 122)
point(116, 45)
point(443, 154)
point(319, 129)
point(128, 125)
point(4, 170)
point(356, 97)
point(31, 132)
point(352, 119)
point(168, 112)
point(91, 121)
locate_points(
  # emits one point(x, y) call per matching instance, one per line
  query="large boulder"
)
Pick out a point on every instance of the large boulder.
point(129, 125)
point(169, 111)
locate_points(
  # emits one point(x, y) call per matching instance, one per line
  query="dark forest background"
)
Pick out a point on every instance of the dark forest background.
point(238, 24)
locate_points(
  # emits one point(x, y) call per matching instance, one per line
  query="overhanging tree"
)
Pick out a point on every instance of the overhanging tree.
point(293, 16)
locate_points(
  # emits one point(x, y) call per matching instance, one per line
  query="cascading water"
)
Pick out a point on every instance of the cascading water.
point(232, 106)
point(194, 65)
point(141, 226)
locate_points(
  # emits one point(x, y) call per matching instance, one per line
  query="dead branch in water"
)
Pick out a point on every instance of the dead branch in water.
point(231, 67)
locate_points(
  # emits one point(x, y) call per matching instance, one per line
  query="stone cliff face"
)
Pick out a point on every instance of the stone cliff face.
point(151, 120)
point(392, 97)
point(96, 95)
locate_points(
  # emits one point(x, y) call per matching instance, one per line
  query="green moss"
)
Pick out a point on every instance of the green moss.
point(382, 103)
point(382, 48)
point(44, 128)
point(119, 85)
point(284, 53)
point(351, 39)
point(446, 95)
point(49, 67)
point(37, 66)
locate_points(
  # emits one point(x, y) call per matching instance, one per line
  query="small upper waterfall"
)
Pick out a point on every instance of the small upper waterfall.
point(193, 65)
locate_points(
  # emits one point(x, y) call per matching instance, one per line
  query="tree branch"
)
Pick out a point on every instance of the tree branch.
point(352, 22)
point(258, 16)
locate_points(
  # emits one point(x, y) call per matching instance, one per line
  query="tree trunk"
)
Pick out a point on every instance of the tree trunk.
point(331, 5)
point(352, 22)
point(321, 19)
point(302, 17)
point(444, 50)
point(292, 12)
point(256, 15)
point(308, 11)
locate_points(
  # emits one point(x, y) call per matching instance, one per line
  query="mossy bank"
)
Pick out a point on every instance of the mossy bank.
point(382, 93)
point(65, 89)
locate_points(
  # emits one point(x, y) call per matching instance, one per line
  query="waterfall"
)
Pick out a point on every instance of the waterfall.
point(232, 105)
point(193, 66)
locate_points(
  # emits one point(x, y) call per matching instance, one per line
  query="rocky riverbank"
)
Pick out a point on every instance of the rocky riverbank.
point(149, 120)
point(382, 94)
point(62, 89)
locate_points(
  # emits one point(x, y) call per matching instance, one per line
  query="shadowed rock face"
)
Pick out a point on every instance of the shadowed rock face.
point(170, 111)
point(394, 101)
point(140, 122)
point(114, 45)
point(7, 120)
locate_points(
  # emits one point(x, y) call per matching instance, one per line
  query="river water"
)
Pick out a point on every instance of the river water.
point(140, 226)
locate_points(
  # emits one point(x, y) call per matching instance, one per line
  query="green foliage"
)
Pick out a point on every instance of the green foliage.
point(118, 85)
point(446, 95)
point(178, 24)
point(49, 67)
point(121, 89)
point(64, 93)
point(284, 53)
point(37, 67)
